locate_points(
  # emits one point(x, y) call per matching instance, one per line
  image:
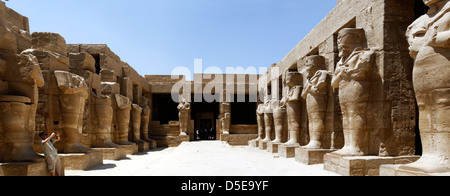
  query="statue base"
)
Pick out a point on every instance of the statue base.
point(37, 168)
point(262, 145)
point(273, 147)
point(82, 161)
point(253, 143)
point(362, 165)
point(152, 144)
point(396, 170)
point(311, 156)
point(143, 146)
point(287, 151)
point(184, 138)
point(130, 149)
point(113, 153)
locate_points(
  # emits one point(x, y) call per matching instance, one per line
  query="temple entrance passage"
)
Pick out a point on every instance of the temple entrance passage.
point(205, 130)
point(204, 115)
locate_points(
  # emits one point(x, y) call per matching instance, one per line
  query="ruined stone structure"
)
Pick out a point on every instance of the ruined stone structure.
point(208, 108)
point(360, 94)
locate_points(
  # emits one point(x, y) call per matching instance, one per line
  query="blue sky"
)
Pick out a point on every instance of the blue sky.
point(155, 36)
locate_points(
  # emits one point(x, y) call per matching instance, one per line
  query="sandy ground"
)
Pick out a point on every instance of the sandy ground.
point(207, 158)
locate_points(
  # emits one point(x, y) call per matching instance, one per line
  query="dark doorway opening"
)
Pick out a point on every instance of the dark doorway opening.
point(419, 8)
point(243, 113)
point(164, 108)
point(205, 115)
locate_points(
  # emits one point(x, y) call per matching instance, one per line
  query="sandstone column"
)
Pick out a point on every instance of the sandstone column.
point(101, 138)
point(145, 119)
point(225, 110)
point(21, 76)
point(136, 113)
point(72, 101)
point(316, 95)
point(184, 109)
point(268, 122)
point(260, 119)
point(123, 119)
point(279, 118)
point(351, 77)
point(293, 106)
point(429, 43)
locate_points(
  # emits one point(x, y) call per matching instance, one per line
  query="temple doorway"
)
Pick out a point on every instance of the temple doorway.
point(204, 115)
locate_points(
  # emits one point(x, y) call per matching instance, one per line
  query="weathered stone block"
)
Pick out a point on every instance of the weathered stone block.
point(83, 161)
point(37, 168)
point(361, 165)
point(287, 151)
point(112, 153)
point(311, 156)
point(273, 147)
point(83, 61)
point(262, 145)
point(51, 42)
point(253, 143)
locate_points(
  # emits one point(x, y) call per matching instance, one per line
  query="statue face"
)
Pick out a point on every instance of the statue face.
point(430, 3)
point(310, 68)
point(346, 46)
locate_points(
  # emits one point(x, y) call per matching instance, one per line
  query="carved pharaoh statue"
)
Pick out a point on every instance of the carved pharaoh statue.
point(268, 121)
point(72, 100)
point(293, 106)
point(145, 119)
point(123, 119)
point(260, 119)
point(225, 110)
point(279, 118)
point(136, 115)
point(101, 137)
point(20, 77)
point(184, 109)
point(429, 39)
point(316, 95)
point(352, 78)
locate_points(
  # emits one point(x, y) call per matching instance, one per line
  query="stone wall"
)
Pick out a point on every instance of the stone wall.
point(392, 111)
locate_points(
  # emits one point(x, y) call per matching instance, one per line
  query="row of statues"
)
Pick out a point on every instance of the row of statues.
point(312, 84)
point(429, 39)
point(60, 98)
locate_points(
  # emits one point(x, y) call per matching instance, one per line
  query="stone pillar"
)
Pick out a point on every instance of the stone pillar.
point(317, 82)
point(101, 137)
point(279, 118)
point(136, 113)
point(145, 119)
point(351, 77)
point(225, 110)
point(123, 119)
point(20, 76)
point(269, 126)
point(316, 94)
point(72, 101)
point(280, 127)
point(261, 126)
point(260, 119)
point(184, 109)
point(293, 104)
point(428, 39)
point(292, 100)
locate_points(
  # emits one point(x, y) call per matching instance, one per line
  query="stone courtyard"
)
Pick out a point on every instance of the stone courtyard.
point(365, 93)
point(205, 158)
